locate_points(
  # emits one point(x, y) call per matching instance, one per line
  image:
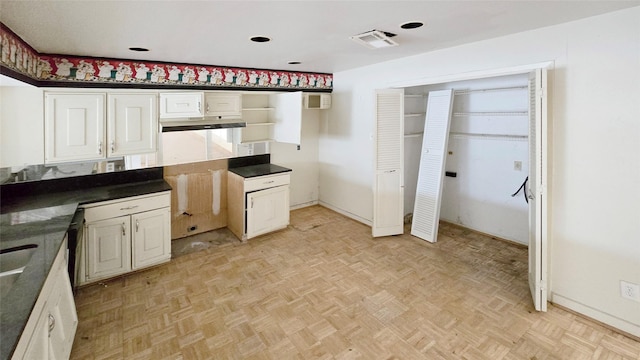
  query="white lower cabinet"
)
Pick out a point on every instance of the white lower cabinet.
point(124, 235)
point(267, 210)
point(108, 250)
point(149, 237)
point(50, 330)
point(63, 319)
point(257, 205)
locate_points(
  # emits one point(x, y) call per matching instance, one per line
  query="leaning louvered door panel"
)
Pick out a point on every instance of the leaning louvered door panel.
point(426, 211)
point(388, 192)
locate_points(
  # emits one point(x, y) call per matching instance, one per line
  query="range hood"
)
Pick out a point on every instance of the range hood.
point(203, 123)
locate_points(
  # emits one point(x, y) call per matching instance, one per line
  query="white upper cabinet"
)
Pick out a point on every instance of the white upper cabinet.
point(287, 117)
point(317, 101)
point(132, 124)
point(74, 127)
point(223, 105)
point(21, 126)
point(78, 127)
point(181, 105)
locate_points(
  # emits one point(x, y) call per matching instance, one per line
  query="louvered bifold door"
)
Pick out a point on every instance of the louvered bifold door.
point(536, 186)
point(388, 185)
point(426, 211)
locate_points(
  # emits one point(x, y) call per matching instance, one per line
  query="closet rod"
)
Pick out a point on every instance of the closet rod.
point(462, 92)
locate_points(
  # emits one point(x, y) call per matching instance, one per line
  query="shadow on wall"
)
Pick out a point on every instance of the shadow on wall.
point(333, 126)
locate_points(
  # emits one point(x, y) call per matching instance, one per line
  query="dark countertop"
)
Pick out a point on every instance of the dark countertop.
point(259, 170)
point(40, 215)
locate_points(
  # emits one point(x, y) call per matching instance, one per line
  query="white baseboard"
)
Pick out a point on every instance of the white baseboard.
point(595, 314)
point(303, 205)
point(346, 213)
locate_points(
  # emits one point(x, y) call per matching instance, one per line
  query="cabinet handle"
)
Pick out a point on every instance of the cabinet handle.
point(123, 232)
point(199, 108)
point(269, 182)
point(252, 203)
point(52, 323)
point(113, 145)
point(99, 147)
point(207, 107)
point(129, 207)
point(137, 225)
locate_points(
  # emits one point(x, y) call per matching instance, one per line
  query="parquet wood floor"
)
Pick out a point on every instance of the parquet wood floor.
point(325, 289)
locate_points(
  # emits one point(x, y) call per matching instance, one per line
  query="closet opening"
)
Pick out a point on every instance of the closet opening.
point(471, 151)
point(486, 155)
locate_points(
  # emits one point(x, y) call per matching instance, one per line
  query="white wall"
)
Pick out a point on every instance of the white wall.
point(594, 192)
point(303, 162)
point(21, 126)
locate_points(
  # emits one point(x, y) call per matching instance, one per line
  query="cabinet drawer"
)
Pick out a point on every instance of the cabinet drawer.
point(132, 205)
point(265, 182)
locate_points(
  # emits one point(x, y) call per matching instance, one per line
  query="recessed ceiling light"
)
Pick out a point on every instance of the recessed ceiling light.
point(294, 63)
point(138, 49)
point(412, 25)
point(260, 39)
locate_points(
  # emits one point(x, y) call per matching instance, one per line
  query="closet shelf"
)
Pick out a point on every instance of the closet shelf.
point(488, 136)
point(258, 109)
point(414, 114)
point(492, 113)
point(415, 96)
point(464, 92)
point(412, 135)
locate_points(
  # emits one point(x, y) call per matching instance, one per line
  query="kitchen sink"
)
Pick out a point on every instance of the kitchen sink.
point(7, 279)
point(15, 258)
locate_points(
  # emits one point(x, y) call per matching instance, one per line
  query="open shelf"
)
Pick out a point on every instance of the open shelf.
point(260, 124)
point(258, 109)
point(255, 141)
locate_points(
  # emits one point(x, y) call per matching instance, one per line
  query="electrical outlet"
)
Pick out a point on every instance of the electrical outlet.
point(629, 291)
point(111, 167)
point(517, 165)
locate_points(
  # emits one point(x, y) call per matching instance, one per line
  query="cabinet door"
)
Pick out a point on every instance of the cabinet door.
point(267, 210)
point(63, 319)
point(38, 347)
point(108, 247)
point(226, 105)
point(287, 117)
point(132, 125)
point(74, 127)
point(180, 105)
point(151, 237)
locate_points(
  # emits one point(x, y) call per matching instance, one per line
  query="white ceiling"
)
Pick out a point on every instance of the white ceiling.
point(313, 32)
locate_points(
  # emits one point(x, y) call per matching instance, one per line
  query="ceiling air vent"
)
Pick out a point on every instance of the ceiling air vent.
point(375, 39)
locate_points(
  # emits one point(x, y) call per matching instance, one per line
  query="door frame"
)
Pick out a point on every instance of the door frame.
point(516, 70)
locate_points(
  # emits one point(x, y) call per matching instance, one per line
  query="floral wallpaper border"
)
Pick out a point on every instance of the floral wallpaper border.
point(20, 57)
